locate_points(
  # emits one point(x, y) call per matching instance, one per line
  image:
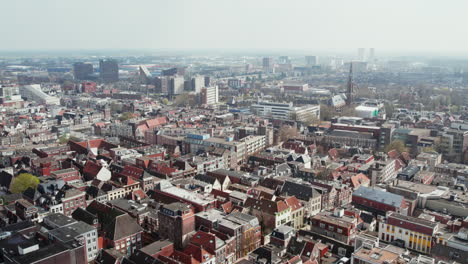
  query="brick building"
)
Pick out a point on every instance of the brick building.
point(176, 223)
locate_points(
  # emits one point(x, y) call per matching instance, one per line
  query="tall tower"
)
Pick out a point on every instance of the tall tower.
point(361, 54)
point(371, 55)
point(350, 87)
point(109, 70)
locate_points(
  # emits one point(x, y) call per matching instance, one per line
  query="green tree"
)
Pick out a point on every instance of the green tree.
point(389, 109)
point(126, 116)
point(63, 139)
point(397, 145)
point(165, 101)
point(24, 181)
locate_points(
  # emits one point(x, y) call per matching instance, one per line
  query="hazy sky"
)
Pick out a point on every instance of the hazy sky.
point(400, 25)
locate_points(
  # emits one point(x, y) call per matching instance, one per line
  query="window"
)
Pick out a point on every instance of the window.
point(339, 230)
point(322, 225)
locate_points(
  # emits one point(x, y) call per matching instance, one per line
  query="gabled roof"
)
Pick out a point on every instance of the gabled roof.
point(300, 191)
point(206, 178)
point(121, 227)
point(359, 179)
point(270, 207)
point(293, 202)
point(81, 214)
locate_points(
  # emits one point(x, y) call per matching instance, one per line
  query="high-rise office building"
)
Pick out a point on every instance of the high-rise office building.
point(109, 70)
point(371, 56)
point(361, 54)
point(207, 81)
point(267, 63)
point(82, 70)
point(176, 85)
point(209, 95)
point(311, 61)
point(197, 83)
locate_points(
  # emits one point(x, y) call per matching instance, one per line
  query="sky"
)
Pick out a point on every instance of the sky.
point(312, 25)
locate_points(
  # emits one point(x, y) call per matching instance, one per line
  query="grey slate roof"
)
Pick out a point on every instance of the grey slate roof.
point(379, 196)
point(301, 191)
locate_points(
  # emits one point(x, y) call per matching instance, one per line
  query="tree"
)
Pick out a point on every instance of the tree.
point(165, 101)
point(389, 109)
point(126, 116)
point(24, 181)
point(397, 145)
point(287, 132)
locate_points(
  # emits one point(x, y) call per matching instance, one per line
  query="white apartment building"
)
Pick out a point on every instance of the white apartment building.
point(286, 111)
point(209, 95)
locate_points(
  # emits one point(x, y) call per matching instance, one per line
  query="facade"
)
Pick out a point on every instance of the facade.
point(82, 70)
point(176, 223)
point(197, 83)
point(209, 95)
point(383, 170)
point(379, 201)
point(454, 143)
point(109, 71)
point(176, 85)
point(311, 61)
point(416, 233)
point(309, 197)
point(72, 200)
point(271, 214)
point(286, 111)
point(335, 225)
point(267, 64)
point(293, 88)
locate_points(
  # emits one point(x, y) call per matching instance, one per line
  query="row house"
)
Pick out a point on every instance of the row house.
point(271, 214)
point(309, 197)
point(71, 200)
point(335, 224)
point(328, 196)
